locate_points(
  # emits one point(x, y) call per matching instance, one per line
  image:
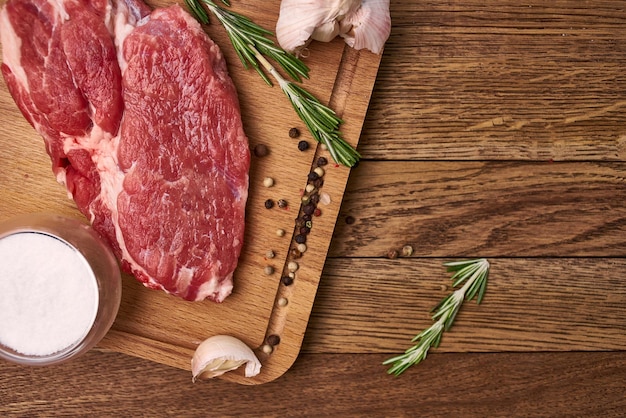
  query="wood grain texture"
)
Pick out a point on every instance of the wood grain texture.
point(367, 305)
point(501, 80)
point(320, 385)
point(473, 101)
point(469, 209)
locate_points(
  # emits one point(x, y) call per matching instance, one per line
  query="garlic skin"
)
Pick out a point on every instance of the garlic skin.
point(299, 21)
point(364, 24)
point(220, 354)
point(370, 26)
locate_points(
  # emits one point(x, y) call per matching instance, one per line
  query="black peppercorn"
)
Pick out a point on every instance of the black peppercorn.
point(294, 133)
point(282, 203)
point(318, 183)
point(350, 219)
point(300, 239)
point(269, 204)
point(304, 230)
point(313, 176)
point(309, 209)
point(306, 217)
point(273, 339)
point(286, 280)
point(315, 198)
point(322, 161)
point(261, 150)
point(303, 145)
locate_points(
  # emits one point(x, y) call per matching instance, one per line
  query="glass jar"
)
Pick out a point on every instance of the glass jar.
point(60, 289)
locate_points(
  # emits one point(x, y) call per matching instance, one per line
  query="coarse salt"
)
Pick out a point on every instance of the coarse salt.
point(48, 294)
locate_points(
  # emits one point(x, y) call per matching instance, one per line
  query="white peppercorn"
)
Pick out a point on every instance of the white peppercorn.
point(292, 266)
point(268, 182)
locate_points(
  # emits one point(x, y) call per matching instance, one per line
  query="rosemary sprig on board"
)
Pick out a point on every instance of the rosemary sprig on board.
point(473, 275)
point(252, 45)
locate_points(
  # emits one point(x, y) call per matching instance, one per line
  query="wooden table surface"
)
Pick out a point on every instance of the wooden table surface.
point(496, 129)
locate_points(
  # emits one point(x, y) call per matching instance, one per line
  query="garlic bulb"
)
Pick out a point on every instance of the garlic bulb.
point(299, 21)
point(220, 354)
point(370, 26)
point(364, 24)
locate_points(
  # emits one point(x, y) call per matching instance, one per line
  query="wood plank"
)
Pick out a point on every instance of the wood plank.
point(467, 385)
point(501, 80)
point(468, 209)
point(367, 305)
point(167, 329)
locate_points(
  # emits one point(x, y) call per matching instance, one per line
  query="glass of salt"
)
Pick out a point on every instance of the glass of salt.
point(60, 289)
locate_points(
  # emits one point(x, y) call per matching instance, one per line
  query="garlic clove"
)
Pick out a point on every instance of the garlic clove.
point(220, 354)
point(370, 26)
point(299, 19)
point(326, 32)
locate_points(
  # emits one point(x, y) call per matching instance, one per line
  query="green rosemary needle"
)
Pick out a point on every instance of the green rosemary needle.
point(252, 45)
point(473, 275)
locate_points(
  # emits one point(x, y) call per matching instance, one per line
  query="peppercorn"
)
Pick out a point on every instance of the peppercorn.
point(303, 145)
point(267, 349)
point(268, 182)
point(313, 176)
point(261, 150)
point(392, 254)
point(294, 133)
point(302, 248)
point(407, 251)
point(269, 270)
point(308, 224)
point(309, 188)
point(282, 203)
point(317, 212)
point(269, 204)
point(319, 171)
point(273, 339)
point(350, 220)
point(282, 302)
point(322, 161)
point(293, 266)
point(280, 232)
point(295, 253)
point(300, 222)
point(318, 183)
point(304, 230)
point(309, 208)
point(300, 239)
point(315, 198)
point(286, 280)
point(270, 254)
point(306, 217)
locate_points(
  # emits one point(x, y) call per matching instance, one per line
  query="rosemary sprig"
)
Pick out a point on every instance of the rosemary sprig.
point(473, 275)
point(252, 45)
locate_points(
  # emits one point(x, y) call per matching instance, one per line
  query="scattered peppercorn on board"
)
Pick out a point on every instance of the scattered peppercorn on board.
point(267, 311)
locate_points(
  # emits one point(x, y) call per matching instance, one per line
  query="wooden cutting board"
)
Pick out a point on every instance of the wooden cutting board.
point(165, 329)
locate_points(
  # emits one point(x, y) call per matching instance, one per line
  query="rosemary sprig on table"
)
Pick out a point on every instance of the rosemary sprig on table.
point(473, 274)
point(252, 45)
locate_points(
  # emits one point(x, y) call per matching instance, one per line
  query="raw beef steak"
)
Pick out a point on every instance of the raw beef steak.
point(142, 123)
